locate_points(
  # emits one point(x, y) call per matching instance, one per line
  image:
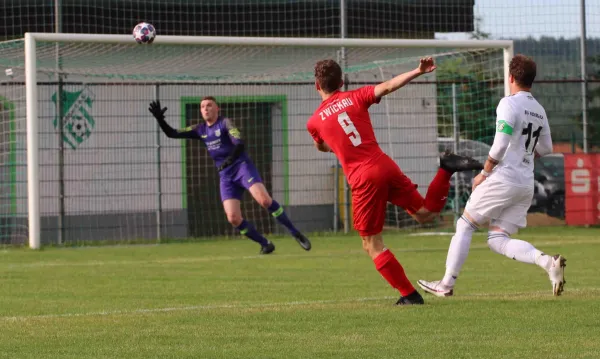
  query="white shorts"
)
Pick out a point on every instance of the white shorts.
point(502, 204)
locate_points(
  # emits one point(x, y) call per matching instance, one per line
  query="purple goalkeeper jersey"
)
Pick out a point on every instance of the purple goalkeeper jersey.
point(220, 138)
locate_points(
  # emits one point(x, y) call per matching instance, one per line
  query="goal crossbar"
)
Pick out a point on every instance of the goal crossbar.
point(31, 39)
point(274, 41)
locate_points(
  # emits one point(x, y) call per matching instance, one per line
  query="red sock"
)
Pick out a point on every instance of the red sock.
point(390, 269)
point(437, 193)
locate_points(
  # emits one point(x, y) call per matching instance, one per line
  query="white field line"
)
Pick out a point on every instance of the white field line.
point(306, 303)
point(194, 308)
point(183, 260)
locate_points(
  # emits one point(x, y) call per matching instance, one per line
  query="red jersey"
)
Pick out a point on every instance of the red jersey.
point(343, 122)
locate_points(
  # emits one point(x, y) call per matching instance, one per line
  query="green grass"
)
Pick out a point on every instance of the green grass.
point(218, 299)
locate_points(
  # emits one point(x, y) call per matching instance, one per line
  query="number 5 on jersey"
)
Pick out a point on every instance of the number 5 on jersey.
point(349, 128)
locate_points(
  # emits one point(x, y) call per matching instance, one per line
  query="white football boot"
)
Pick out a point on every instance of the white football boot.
point(556, 273)
point(436, 288)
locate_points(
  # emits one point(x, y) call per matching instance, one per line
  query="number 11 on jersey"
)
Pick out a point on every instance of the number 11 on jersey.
point(527, 131)
point(346, 123)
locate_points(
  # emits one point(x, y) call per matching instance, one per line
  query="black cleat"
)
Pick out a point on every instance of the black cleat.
point(452, 162)
point(269, 248)
point(412, 298)
point(303, 241)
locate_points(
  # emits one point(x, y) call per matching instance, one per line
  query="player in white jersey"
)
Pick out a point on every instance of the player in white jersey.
point(502, 192)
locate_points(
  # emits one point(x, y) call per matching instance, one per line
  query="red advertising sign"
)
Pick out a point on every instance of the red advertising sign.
point(582, 182)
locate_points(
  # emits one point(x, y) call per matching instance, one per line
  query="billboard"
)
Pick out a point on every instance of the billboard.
point(582, 180)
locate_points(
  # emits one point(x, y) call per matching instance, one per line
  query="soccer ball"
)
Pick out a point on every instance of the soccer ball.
point(144, 33)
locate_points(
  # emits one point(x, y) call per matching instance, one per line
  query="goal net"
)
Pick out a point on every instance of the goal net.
point(105, 171)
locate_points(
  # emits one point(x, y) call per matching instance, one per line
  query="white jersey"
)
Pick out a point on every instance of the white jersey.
point(525, 120)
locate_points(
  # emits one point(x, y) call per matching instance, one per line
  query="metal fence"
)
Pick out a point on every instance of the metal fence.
point(562, 36)
point(549, 31)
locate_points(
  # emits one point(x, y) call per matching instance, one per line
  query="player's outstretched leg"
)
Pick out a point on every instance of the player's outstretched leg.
point(426, 209)
point(500, 242)
point(437, 193)
point(452, 162)
point(279, 214)
point(247, 229)
point(391, 270)
point(260, 194)
point(234, 216)
point(457, 255)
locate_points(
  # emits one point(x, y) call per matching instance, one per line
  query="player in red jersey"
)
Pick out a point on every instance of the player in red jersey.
point(342, 125)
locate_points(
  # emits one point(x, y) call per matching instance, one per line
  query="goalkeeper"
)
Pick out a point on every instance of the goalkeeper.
point(236, 171)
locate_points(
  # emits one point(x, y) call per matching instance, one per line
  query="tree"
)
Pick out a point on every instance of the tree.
point(478, 33)
point(477, 93)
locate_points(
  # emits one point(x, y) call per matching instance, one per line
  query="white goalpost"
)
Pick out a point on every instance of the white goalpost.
point(267, 76)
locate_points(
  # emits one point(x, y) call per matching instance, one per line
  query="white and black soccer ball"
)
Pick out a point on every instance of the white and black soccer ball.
point(144, 33)
point(80, 127)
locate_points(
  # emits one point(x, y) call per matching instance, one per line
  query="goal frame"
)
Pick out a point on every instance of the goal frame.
point(31, 39)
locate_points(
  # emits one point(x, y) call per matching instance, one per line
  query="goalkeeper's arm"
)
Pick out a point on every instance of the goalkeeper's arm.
point(237, 151)
point(238, 144)
point(159, 115)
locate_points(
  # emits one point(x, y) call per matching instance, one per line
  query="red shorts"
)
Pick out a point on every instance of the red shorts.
point(376, 185)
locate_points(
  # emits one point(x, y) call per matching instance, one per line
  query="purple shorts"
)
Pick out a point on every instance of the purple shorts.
point(238, 178)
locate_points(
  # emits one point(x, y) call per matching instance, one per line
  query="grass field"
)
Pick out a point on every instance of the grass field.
point(218, 299)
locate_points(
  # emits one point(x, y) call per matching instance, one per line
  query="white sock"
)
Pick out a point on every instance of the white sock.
point(543, 260)
point(458, 251)
point(517, 249)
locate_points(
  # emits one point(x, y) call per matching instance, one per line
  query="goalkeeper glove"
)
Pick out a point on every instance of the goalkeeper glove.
point(237, 152)
point(156, 111)
point(228, 161)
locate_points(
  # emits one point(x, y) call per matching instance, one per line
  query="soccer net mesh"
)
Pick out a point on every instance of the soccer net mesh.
point(107, 171)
